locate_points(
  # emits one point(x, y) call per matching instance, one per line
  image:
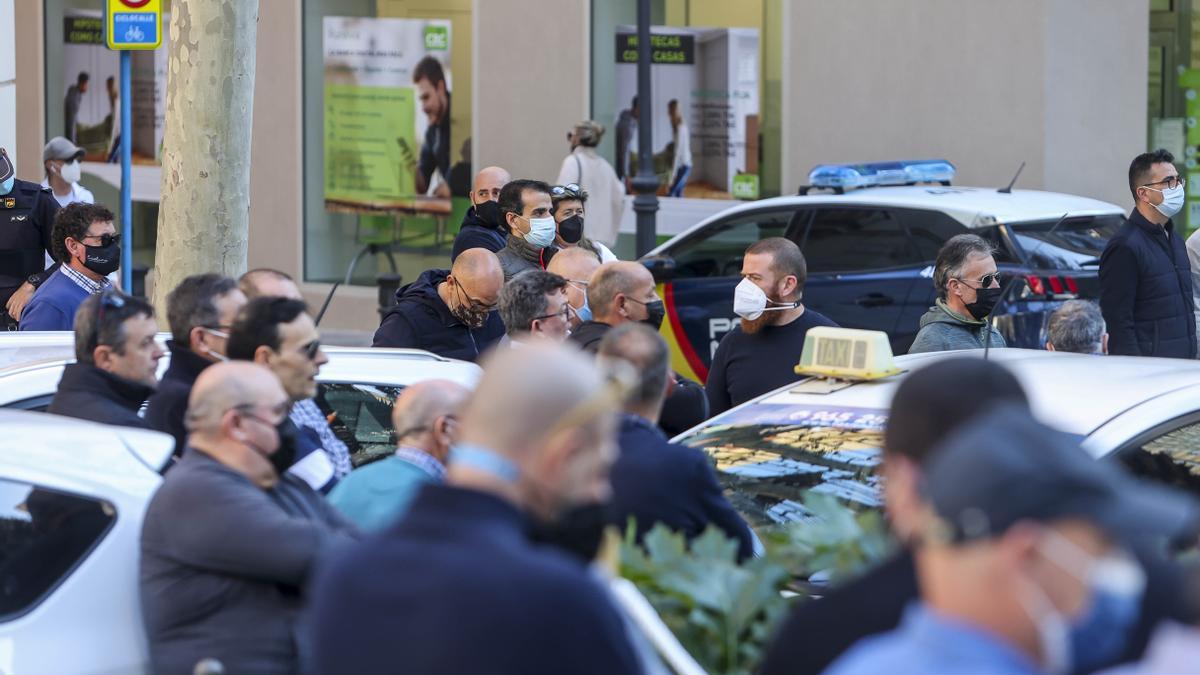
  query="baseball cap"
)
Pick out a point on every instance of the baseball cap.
point(6, 166)
point(61, 148)
point(1006, 467)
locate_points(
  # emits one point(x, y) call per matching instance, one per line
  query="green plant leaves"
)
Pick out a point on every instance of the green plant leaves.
point(725, 613)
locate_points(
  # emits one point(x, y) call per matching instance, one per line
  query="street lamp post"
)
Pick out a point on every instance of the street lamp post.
point(645, 183)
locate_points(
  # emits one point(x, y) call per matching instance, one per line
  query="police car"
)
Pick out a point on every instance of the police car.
point(825, 435)
point(870, 245)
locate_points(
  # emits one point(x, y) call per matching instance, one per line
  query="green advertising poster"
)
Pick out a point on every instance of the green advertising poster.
point(370, 142)
point(386, 105)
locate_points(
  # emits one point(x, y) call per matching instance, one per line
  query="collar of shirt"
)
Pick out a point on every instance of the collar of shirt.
point(952, 641)
point(422, 460)
point(84, 282)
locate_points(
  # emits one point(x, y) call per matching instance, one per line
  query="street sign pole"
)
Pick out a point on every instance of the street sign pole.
point(126, 173)
point(130, 24)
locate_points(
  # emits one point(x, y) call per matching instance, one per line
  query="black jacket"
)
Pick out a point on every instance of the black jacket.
point(26, 219)
point(1146, 291)
point(655, 481)
point(686, 407)
point(818, 631)
point(420, 320)
point(168, 404)
point(475, 233)
point(88, 393)
point(466, 592)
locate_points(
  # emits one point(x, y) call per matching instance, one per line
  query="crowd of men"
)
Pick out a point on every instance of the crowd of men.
point(267, 549)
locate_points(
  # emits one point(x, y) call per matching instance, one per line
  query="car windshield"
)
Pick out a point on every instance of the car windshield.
point(768, 455)
point(1075, 244)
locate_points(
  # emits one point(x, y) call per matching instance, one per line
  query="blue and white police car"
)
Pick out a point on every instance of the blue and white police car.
point(870, 242)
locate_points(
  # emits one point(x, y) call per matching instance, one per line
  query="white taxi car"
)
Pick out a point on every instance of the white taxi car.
point(73, 493)
point(1143, 412)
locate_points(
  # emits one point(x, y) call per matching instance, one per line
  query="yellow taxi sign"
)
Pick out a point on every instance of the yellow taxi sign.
point(846, 354)
point(133, 24)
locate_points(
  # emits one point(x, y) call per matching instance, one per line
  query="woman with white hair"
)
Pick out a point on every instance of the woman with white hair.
point(593, 173)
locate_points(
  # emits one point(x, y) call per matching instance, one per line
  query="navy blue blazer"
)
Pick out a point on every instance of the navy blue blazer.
point(457, 587)
point(656, 481)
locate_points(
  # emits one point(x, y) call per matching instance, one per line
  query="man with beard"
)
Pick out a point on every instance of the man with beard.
point(758, 356)
point(448, 312)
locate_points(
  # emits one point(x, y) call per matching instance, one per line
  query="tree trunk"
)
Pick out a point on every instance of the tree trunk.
point(204, 215)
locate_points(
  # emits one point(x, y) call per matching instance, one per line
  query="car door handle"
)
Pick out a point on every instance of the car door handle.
point(874, 300)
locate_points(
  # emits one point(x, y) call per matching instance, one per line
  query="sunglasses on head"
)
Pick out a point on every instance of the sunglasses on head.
point(568, 190)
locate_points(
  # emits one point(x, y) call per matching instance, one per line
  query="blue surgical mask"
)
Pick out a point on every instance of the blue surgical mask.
point(1096, 637)
point(585, 312)
point(7, 186)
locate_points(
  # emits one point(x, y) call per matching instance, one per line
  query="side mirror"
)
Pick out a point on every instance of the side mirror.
point(661, 267)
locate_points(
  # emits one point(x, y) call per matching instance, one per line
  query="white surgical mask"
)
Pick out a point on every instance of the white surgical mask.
point(1172, 200)
point(541, 231)
point(71, 171)
point(749, 301)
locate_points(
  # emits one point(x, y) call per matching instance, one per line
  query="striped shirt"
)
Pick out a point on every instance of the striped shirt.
point(83, 281)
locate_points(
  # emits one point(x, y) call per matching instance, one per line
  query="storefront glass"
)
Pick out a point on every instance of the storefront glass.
point(387, 103)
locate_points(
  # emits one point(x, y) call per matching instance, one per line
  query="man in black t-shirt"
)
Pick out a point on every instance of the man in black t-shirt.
point(759, 355)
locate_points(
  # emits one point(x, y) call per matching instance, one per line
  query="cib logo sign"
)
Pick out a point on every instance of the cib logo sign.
point(437, 38)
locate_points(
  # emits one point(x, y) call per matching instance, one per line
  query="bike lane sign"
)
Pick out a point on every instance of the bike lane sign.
point(133, 24)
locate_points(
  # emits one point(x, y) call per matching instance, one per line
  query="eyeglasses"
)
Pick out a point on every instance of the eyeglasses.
point(475, 305)
point(1171, 182)
point(581, 285)
point(986, 280)
point(106, 239)
point(565, 313)
point(568, 190)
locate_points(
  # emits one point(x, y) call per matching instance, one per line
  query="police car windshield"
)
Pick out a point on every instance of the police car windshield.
point(769, 454)
point(1076, 244)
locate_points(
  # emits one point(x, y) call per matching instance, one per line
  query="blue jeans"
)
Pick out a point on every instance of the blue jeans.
point(681, 177)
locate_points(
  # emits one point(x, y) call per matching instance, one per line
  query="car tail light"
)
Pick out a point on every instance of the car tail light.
point(1035, 285)
point(1056, 285)
point(1072, 287)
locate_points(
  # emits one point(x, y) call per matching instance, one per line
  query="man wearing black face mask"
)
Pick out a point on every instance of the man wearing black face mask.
point(968, 287)
point(483, 226)
point(451, 313)
point(229, 542)
point(621, 292)
point(87, 244)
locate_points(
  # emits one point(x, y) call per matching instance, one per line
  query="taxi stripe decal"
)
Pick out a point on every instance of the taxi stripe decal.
point(683, 353)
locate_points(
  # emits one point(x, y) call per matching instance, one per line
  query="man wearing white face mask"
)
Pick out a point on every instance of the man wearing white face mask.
point(759, 355)
point(526, 208)
point(1024, 565)
point(1145, 276)
point(61, 160)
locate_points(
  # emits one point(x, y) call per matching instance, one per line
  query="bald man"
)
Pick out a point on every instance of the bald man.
point(451, 313)
point(466, 591)
point(425, 418)
point(228, 541)
point(576, 265)
point(482, 225)
point(624, 292)
point(619, 292)
point(266, 282)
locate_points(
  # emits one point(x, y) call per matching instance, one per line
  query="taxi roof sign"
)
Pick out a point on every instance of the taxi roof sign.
point(846, 354)
point(133, 24)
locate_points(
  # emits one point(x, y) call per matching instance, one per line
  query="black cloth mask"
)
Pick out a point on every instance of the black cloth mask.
point(571, 230)
point(985, 302)
point(103, 260)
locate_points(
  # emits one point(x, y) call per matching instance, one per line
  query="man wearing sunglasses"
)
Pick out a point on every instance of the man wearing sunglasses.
point(278, 333)
point(1145, 275)
point(968, 288)
point(451, 313)
point(88, 247)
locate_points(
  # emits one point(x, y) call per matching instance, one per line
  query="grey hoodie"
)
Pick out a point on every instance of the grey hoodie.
point(943, 330)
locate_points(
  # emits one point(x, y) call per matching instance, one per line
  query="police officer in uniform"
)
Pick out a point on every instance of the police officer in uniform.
point(26, 216)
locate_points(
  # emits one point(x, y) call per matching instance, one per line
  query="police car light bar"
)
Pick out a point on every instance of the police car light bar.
point(846, 354)
point(876, 174)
